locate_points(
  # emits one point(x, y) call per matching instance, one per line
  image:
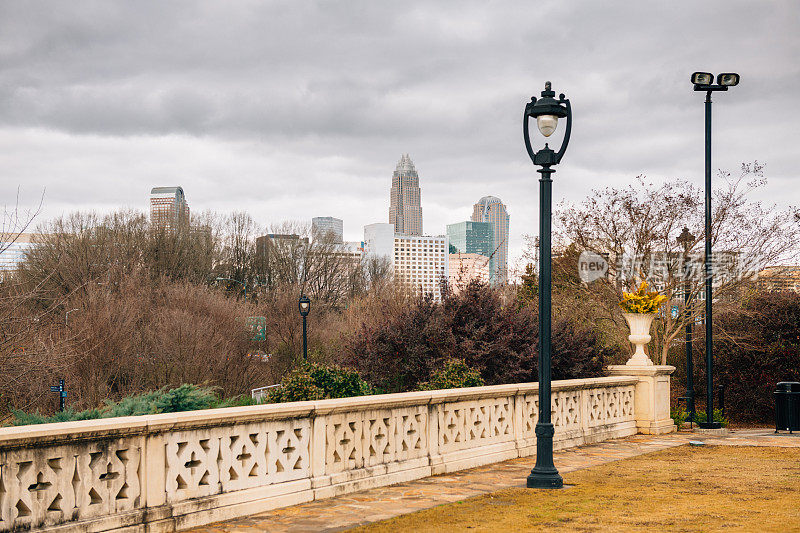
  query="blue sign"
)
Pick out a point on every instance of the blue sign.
point(674, 311)
point(55, 388)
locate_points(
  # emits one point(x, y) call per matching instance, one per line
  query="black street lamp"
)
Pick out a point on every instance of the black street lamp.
point(304, 305)
point(546, 110)
point(686, 240)
point(704, 81)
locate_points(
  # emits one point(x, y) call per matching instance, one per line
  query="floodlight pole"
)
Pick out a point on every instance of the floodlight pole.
point(709, 423)
point(705, 82)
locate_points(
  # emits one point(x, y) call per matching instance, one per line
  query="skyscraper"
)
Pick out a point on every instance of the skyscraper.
point(322, 226)
point(169, 209)
point(491, 209)
point(405, 212)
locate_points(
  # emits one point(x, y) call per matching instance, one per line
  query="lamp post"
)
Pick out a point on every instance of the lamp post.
point(704, 81)
point(686, 240)
point(546, 110)
point(243, 284)
point(304, 305)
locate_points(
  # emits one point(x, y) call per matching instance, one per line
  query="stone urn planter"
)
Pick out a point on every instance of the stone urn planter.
point(640, 335)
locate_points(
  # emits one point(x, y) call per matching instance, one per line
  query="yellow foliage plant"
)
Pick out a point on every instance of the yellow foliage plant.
point(642, 301)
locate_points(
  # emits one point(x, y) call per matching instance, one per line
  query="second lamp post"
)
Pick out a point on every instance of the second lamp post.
point(304, 304)
point(546, 110)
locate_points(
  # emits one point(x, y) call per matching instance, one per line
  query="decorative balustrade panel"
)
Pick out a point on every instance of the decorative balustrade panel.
point(104, 477)
point(50, 485)
point(368, 438)
point(476, 423)
point(566, 410)
point(203, 462)
point(610, 405)
point(530, 415)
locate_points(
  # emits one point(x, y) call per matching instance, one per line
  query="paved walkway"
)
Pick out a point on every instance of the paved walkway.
point(358, 508)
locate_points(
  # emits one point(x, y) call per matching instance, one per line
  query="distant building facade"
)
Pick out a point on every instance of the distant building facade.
point(419, 262)
point(422, 262)
point(491, 209)
point(169, 209)
point(328, 226)
point(779, 278)
point(466, 267)
point(265, 242)
point(13, 248)
point(379, 240)
point(405, 209)
point(470, 237)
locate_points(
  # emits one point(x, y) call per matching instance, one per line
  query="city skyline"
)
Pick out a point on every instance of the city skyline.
point(258, 113)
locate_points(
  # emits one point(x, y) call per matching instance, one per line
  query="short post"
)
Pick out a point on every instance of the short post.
point(61, 389)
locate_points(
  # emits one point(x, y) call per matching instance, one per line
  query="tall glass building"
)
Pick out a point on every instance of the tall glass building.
point(330, 227)
point(169, 209)
point(491, 209)
point(405, 211)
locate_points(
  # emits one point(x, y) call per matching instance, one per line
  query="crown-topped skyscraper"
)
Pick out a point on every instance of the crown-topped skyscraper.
point(405, 211)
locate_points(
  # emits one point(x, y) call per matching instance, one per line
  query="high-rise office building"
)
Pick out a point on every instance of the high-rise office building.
point(379, 240)
point(421, 262)
point(329, 227)
point(169, 209)
point(405, 211)
point(491, 209)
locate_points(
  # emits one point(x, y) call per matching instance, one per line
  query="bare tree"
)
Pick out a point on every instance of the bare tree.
point(637, 227)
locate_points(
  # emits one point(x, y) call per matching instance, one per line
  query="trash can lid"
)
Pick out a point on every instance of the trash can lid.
point(788, 386)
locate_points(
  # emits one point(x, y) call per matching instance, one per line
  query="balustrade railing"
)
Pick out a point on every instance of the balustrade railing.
point(179, 470)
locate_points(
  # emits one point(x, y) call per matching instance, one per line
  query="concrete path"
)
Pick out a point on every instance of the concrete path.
point(350, 510)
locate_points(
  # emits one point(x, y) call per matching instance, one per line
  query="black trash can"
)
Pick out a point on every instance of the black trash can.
point(787, 406)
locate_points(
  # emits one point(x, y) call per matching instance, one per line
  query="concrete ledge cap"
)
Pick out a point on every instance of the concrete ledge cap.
point(65, 432)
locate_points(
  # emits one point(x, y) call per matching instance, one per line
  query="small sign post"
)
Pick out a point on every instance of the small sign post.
point(62, 393)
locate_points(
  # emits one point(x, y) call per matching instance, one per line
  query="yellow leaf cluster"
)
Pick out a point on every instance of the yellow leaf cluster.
point(642, 301)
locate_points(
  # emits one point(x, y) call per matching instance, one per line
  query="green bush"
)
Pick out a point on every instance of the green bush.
point(678, 416)
point(456, 374)
point(700, 416)
point(21, 418)
point(312, 381)
point(187, 397)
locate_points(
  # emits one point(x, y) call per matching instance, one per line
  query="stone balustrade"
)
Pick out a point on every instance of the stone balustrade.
point(178, 470)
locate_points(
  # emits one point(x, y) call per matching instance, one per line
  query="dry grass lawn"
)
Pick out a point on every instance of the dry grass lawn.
point(681, 489)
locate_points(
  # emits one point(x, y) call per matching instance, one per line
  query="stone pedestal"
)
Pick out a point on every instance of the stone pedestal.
point(652, 396)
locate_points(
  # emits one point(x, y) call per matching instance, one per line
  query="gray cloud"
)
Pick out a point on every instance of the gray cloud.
point(297, 109)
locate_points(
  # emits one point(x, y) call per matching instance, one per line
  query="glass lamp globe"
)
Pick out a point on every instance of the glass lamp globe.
point(547, 124)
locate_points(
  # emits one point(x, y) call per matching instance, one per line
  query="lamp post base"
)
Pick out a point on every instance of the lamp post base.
point(709, 425)
point(545, 480)
point(545, 474)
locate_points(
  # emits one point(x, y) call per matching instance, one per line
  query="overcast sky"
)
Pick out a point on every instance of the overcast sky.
point(295, 109)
